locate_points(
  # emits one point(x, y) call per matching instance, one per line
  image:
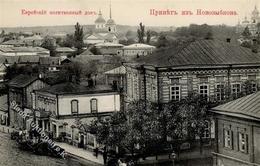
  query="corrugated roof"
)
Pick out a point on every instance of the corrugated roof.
point(28, 59)
point(22, 81)
point(64, 49)
point(49, 60)
point(71, 88)
point(201, 52)
point(245, 106)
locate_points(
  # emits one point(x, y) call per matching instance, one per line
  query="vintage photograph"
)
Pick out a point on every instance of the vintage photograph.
point(129, 83)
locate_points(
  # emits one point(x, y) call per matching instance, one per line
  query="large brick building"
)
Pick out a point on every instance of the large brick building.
point(238, 132)
point(211, 68)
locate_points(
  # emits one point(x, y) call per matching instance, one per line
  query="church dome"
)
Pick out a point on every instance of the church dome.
point(100, 18)
point(110, 22)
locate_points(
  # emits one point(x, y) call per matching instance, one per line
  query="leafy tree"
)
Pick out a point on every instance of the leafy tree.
point(78, 36)
point(246, 33)
point(148, 36)
point(2, 33)
point(141, 33)
point(49, 43)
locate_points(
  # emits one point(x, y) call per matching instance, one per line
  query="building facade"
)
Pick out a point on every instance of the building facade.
point(221, 72)
point(66, 109)
point(20, 91)
point(238, 132)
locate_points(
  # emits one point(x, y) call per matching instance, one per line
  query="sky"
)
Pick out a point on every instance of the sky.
point(124, 12)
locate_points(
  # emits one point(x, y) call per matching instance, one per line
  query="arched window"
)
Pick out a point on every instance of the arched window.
point(74, 106)
point(93, 106)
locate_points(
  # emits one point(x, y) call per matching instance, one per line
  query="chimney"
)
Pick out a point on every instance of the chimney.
point(255, 46)
point(228, 40)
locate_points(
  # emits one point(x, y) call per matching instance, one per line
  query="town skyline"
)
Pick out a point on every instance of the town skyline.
point(140, 11)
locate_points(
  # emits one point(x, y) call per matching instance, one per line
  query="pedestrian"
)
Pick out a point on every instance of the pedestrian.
point(96, 152)
point(105, 155)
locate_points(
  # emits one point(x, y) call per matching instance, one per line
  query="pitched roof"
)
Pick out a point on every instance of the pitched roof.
point(71, 88)
point(49, 60)
point(201, 52)
point(64, 49)
point(22, 81)
point(139, 45)
point(28, 59)
point(246, 107)
point(118, 70)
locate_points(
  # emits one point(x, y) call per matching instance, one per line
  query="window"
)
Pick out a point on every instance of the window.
point(227, 138)
point(175, 92)
point(236, 89)
point(220, 92)
point(242, 141)
point(206, 133)
point(203, 91)
point(74, 106)
point(93, 105)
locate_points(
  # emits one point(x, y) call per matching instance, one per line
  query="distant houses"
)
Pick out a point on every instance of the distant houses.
point(21, 51)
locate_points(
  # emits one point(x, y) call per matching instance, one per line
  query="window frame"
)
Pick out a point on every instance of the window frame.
point(91, 105)
point(174, 96)
point(199, 90)
point(71, 106)
point(220, 92)
point(236, 93)
point(242, 142)
point(228, 139)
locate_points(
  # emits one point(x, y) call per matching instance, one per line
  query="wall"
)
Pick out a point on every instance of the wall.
point(106, 103)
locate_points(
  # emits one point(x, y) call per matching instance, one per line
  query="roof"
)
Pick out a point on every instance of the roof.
point(13, 42)
point(118, 70)
point(246, 107)
point(138, 45)
point(108, 44)
point(100, 19)
point(34, 37)
point(3, 103)
point(28, 59)
point(71, 88)
point(49, 60)
point(87, 52)
point(64, 49)
point(201, 52)
point(22, 49)
point(110, 22)
point(22, 81)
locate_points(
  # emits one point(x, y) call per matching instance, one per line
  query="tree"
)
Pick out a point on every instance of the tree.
point(246, 33)
point(49, 43)
point(141, 33)
point(185, 119)
point(148, 36)
point(78, 36)
point(2, 33)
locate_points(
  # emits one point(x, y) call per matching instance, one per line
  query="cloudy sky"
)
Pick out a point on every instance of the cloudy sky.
point(124, 12)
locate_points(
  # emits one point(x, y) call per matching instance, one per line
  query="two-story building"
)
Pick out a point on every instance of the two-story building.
point(20, 91)
point(211, 68)
point(64, 109)
point(238, 132)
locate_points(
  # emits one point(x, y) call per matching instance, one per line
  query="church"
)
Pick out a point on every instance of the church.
point(250, 23)
point(105, 31)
